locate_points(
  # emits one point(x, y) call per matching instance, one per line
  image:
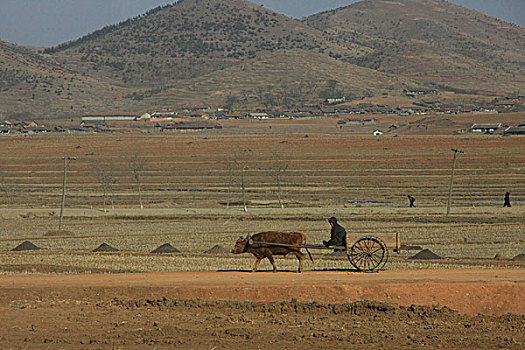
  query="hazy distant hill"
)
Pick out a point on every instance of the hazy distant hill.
point(233, 52)
point(432, 40)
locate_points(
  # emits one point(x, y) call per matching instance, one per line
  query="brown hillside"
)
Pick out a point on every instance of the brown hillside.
point(286, 78)
point(187, 40)
point(32, 85)
point(431, 40)
point(236, 53)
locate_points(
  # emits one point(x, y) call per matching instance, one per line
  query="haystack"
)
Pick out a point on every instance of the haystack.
point(500, 256)
point(25, 246)
point(165, 248)
point(218, 249)
point(104, 247)
point(425, 254)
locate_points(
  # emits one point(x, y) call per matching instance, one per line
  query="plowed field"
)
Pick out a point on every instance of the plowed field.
point(225, 310)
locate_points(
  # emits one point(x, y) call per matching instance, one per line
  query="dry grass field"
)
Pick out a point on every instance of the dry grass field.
point(188, 180)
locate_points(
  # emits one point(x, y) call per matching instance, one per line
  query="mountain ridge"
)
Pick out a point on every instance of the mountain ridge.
point(149, 60)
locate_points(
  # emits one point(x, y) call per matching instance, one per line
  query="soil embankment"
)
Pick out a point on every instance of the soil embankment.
point(467, 291)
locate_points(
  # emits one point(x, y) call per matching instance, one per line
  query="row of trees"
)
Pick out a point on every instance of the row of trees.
point(107, 177)
point(237, 168)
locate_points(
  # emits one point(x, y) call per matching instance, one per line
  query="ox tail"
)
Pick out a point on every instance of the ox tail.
point(310, 255)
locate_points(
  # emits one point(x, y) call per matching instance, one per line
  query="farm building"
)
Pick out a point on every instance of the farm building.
point(515, 130)
point(258, 115)
point(378, 132)
point(356, 121)
point(5, 124)
point(33, 130)
point(110, 117)
point(485, 128)
point(233, 116)
point(333, 100)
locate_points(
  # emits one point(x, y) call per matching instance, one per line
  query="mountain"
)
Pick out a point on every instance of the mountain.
point(432, 40)
point(233, 52)
point(186, 40)
point(32, 85)
point(285, 78)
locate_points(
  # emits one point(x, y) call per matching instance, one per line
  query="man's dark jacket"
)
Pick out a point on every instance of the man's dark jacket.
point(337, 236)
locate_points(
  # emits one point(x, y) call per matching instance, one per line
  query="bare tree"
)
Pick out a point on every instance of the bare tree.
point(279, 170)
point(241, 161)
point(5, 188)
point(230, 168)
point(107, 178)
point(137, 165)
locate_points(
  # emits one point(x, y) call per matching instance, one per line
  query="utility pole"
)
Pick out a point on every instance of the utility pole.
point(63, 192)
point(456, 151)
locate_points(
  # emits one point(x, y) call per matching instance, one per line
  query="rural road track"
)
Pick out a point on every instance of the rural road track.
point(467, 291)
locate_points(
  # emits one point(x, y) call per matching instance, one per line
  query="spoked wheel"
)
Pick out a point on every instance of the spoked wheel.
point(368, 254)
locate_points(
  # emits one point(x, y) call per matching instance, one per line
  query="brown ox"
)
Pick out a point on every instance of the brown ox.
point(261, 251)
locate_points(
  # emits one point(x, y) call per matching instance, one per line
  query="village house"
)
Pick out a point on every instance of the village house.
point(163, 115)
point(507, 104)
point(334, 100)
point(357, 121)
point(329, 110)
point(33, 130)
point(6, 124)
point(307, 111)
point(258, 115)
point(515, 130)
point(232, 116)
point(419, 92)
point(104, 117)
point(485, 127)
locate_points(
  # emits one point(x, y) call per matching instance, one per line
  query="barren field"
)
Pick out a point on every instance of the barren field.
point(225, 310)
point(192, 198)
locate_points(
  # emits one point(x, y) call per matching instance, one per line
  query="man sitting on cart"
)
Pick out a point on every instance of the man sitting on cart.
point(337, 234)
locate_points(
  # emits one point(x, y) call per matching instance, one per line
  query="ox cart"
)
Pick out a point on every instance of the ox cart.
point(367, 251)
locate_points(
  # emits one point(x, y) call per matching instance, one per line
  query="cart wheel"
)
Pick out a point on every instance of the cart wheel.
point(368, 254)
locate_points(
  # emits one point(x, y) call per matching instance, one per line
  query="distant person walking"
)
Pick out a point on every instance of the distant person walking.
point(412, 200)
point(507, 200)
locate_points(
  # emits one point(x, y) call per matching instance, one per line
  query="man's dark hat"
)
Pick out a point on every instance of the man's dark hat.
point(332, 220)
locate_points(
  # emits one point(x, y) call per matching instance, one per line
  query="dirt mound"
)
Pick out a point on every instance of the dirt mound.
point(218, 249)
point(104, 247)
point(519, 257)
point(165, 248)
point(426, 254)
point(500, 256)
point(25, 246)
